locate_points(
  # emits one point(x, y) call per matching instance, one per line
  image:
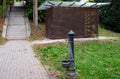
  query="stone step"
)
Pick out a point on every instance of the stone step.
point(18, 4)
point(16, 28)
point(17, 25)
point(20, 36)
point(17, 15)
point(16, 33)
point(17, 38)
point(16, 20)
point(15, 9)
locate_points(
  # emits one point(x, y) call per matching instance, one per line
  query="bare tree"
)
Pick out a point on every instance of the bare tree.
point(4, 8)
point(35, 14)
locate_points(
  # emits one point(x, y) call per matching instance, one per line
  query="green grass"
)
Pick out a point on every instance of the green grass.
point(109, 33)
point(93, 59)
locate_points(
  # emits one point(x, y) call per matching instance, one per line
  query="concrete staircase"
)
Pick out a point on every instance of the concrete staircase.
point(16, 28)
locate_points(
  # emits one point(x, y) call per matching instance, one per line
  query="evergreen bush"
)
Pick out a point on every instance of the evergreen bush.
point(110, 15)
point(29, 10)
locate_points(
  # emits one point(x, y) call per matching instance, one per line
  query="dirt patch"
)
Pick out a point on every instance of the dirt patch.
point(1, 22)
point(1, 25)
point(2, 41)
point(39, 34)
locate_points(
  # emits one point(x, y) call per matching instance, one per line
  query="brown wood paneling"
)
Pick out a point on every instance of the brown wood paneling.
point(60, 20)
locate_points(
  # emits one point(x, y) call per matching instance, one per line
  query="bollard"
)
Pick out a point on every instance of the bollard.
point(70, 64)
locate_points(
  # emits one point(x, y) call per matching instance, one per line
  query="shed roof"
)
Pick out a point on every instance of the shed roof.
point(49, 4)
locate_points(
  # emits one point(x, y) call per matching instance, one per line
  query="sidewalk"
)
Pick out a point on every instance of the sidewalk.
point(17, 61)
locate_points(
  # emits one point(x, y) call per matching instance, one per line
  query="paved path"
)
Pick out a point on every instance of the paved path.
point(17, 61)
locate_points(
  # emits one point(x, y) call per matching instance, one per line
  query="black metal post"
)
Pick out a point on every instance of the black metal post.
point(70, 64)
point(71, 44)
point(71, 73)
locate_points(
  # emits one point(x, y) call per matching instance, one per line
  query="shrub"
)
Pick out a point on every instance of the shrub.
point(29, 10)
point(110, 15)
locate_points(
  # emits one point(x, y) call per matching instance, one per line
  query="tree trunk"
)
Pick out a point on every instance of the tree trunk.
point(33, 10)
point(35, 14)
point(1, 2)
point(4, 8)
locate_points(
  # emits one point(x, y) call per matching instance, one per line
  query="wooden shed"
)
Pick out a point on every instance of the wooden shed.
point(60, 20)
point(61, 17)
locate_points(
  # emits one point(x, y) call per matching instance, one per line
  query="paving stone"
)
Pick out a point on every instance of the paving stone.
point(18, 61)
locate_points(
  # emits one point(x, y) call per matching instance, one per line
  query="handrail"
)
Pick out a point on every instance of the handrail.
point(8, 16)
point(5, 26)
point(28, 26)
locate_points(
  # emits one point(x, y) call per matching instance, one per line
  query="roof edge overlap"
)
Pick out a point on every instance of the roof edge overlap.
point(49, 4)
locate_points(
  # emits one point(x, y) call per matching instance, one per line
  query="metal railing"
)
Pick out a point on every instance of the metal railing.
point(5, 26)
point(28, 26)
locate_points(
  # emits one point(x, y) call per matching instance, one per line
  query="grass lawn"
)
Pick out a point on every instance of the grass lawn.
point(104, 32)
point(93, 59)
